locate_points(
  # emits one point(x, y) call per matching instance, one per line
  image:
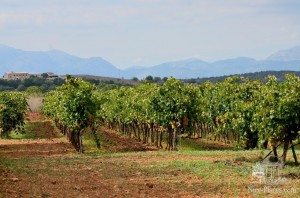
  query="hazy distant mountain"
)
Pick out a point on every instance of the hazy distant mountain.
point(291, 54)
point(52, 61)
point(62, 63)
point(194, 68)
point(183, 68)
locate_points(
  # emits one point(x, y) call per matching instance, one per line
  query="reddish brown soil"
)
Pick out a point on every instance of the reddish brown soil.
point(50, 167)
point(33, 148)
point(45, 144)
point(123, 143)
point(34, 116)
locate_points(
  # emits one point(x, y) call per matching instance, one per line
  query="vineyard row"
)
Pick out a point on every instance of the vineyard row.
point(243, 112)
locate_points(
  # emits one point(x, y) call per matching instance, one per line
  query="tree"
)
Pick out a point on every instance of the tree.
point(157, 79)
point(44, 75)
point(21, 87)
point(35, 90)
point(135, 79)
point(149, 78)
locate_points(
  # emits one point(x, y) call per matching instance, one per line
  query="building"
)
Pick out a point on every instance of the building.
point(25, 75)
point(52, 75)
point(16, 75)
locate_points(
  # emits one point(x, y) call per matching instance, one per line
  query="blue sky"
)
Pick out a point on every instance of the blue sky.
point(148, 32)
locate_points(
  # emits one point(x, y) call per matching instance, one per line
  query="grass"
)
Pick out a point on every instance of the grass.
point(19, 136)
point(200, 168)
point(224, 171)
point(37, 130)
point(198, 173)
point(201, 144)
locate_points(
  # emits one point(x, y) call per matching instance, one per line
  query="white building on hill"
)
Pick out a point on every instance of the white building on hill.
point(15, 75)
point(25, 75)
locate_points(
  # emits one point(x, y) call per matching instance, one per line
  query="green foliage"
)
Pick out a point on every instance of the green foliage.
point(105, 86)
point(262, 76)
point(278, 113)
point(72, 106)
point(149, 78)
point(44, 75)
point(13, 108)
point(243, 111)
point(174, 101)
point(135, 79)
point(35, 91)
point(22, 85)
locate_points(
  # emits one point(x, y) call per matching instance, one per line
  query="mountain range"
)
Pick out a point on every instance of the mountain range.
point(56, 61)
point(61, 63)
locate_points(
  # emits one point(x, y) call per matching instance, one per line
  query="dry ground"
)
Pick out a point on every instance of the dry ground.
point(35, 103)
point(47, 166)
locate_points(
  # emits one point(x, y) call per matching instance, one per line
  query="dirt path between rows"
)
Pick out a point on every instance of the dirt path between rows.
point(46, 143)
point(48, 166)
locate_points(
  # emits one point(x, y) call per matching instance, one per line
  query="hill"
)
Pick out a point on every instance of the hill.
point(253, 76)
point(195, 68)
point(56, 61)
point(62, 63)
point(292, 54)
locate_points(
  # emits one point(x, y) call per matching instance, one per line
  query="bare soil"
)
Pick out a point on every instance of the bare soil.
point(117, 143)
point(50, 167)
point(35, 103)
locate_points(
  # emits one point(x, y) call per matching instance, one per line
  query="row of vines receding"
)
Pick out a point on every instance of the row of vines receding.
point(72, 108)
point(241, 112)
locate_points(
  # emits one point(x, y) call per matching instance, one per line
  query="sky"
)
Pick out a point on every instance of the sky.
point(149, 32)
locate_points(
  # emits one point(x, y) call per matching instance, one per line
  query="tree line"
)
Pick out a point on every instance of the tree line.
point(42, 83)
point(262, 75)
